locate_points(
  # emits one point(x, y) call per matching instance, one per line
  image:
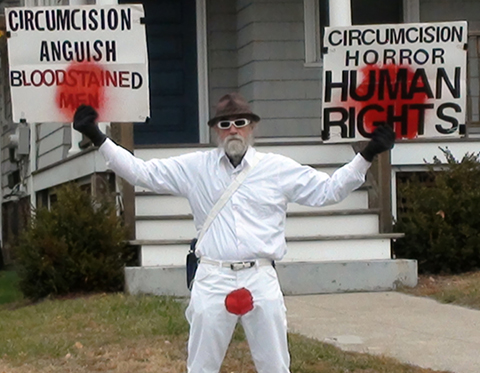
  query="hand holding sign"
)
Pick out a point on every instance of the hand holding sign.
point(383, 139)
point(84, 121)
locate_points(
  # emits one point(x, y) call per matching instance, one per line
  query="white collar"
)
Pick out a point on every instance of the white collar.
point(248, 157)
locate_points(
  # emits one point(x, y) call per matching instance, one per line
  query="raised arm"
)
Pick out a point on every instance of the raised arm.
point(172, 175)
point(310, 187)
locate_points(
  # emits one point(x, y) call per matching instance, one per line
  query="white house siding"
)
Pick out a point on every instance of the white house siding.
point(7, 166)
point(271, 68)
point(7, 127)
point(222, 49)
point(53, 142)
point(451, 10)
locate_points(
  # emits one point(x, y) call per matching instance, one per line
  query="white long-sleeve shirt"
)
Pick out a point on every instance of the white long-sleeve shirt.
point(251, 225)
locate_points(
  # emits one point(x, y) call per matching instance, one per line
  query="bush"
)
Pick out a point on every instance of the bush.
point(78, 246)
point(441, 218)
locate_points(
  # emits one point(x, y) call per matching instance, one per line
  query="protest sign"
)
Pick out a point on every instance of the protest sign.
point(64, 56)
point(408, 76)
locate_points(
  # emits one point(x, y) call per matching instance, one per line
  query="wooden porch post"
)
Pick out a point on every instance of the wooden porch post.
point(380, 193)
point(122, 133)
point(385, 190)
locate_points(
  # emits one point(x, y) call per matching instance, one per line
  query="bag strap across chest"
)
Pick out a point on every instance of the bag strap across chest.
point(227, 194)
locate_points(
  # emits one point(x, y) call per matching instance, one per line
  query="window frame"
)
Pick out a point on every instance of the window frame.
point(313, 55)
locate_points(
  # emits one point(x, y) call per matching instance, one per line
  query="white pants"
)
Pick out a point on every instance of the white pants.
point(212, 326)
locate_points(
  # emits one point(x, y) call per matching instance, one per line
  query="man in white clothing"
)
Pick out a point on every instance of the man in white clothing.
point(236, 280)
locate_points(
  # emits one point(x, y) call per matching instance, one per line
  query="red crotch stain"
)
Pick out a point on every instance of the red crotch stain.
point(80, 83)
point(391, 91)
point(239, 302)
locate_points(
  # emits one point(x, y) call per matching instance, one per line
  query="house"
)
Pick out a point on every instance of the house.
point(270, 51)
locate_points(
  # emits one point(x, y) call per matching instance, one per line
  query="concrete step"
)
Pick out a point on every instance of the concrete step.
point(301, 224)
point(313, 248)
point(150, 204)
point(304, 153)
point(295, 278)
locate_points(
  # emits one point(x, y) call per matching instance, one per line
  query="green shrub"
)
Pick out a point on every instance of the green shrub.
point(78, 246)
point(441, 218)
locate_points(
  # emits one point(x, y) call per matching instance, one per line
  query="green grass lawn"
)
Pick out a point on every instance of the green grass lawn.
point(124, 333)
point(9, 291)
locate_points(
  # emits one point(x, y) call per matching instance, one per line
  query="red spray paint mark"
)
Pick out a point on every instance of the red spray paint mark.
point(81, 83)
point(239, 302)
point(408, 97)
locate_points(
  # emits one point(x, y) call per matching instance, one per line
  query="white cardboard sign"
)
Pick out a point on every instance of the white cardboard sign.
point(409, 76)
point(64, 56)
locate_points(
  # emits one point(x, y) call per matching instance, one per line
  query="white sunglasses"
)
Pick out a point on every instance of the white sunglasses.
point(238, 123)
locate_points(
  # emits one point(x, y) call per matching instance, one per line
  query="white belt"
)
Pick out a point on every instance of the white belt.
point(237, 266)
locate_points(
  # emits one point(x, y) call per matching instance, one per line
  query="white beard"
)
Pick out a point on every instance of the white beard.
point(235, 147)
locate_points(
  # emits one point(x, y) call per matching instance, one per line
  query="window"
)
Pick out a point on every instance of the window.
point(364, 12)
point(374, 12)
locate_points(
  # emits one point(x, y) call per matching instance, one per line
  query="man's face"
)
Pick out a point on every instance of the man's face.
point(233, 140)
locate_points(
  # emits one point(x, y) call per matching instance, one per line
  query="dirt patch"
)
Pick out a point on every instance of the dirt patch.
point(434, 284)
point(144, 356)
point(462, 290)
point(160, 356)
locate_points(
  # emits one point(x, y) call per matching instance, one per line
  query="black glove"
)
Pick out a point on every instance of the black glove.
point(383, 138)
point(84, 121)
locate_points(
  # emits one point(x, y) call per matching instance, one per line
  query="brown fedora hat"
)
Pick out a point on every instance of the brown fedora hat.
point(232, 104)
